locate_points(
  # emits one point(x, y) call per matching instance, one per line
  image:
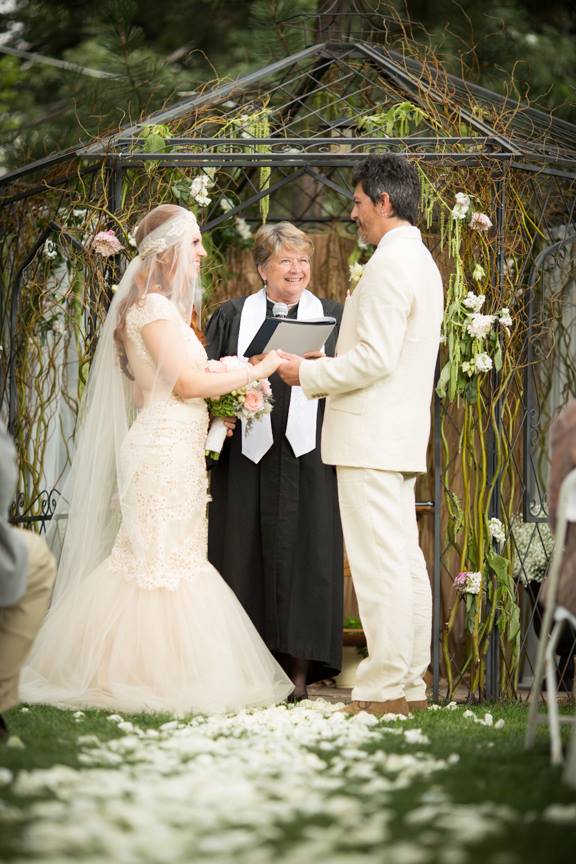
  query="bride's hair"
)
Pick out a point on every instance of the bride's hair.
point(155, 275)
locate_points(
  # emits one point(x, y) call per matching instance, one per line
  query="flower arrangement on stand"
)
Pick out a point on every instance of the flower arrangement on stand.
point(475, 378)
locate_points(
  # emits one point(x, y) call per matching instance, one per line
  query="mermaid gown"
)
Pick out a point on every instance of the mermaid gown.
point(154, 627)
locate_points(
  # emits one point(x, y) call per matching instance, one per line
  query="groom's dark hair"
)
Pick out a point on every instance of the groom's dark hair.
point(395, 175)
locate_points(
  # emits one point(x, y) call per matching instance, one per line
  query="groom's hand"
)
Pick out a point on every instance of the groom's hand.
point(289, 369)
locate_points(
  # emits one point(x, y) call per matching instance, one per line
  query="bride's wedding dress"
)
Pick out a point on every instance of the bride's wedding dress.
point(154, 627)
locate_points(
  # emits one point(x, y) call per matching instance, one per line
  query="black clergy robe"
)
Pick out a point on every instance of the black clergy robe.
point(274, 529)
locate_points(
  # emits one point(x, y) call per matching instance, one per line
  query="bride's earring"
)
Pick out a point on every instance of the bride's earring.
point(265, 286)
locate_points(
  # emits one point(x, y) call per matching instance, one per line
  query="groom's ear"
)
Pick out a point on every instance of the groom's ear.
point(385, 204)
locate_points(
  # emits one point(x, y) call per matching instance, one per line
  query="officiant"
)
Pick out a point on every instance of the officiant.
point(274, 525)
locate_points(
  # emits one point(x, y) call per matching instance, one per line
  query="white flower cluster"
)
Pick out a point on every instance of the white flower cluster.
point(462, 206)
point(199, 189)
point(532, 544)
point(462, 211)
point(468, 582)
point(355, 272)
point(479, 326)
point(243, 228)
point(496, 530)
point(474, 301)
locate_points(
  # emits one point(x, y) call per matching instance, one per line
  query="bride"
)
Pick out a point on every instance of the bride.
point(140, 621)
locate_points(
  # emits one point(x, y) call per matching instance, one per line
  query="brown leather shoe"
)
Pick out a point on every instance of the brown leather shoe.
point(418, 705)
point(389, 706)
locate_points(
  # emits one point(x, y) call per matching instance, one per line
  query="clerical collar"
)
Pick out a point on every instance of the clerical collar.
point(289, 305)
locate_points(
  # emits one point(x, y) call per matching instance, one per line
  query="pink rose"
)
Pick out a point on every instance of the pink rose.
point(106, 243)
point(265, 387)
point(254, 400)
point(480, 222)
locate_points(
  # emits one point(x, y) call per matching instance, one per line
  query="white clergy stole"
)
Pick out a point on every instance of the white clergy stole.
point(302, 412)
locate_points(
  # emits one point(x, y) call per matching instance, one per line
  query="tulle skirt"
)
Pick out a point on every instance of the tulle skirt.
point(112, 644)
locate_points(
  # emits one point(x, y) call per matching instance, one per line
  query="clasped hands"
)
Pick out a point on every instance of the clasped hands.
point(289, 364)
point(288, 367)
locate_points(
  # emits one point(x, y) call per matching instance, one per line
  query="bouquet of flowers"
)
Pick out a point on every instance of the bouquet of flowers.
point(249, 404)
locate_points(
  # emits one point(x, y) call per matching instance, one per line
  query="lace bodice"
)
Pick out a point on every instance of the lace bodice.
point(164, 540)
point(157, 307)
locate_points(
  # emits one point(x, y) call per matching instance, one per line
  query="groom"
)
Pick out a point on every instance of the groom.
point(376, 428)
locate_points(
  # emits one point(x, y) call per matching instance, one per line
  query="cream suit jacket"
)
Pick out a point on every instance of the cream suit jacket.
point(379, 385)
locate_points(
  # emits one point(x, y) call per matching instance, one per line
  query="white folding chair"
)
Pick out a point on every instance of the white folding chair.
point(546, 661)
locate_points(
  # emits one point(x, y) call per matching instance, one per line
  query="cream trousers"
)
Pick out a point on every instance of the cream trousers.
point(378, 511)
point(20, 622)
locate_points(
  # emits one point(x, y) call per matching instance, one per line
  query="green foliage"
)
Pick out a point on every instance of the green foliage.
point(400, 120)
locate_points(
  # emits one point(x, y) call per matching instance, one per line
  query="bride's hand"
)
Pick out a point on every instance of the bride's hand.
point(268, 365)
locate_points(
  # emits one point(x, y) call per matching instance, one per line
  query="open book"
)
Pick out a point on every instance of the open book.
point(291, 335)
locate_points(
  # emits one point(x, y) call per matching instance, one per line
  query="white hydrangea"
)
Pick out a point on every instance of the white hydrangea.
point(532, 543)
point(496, 529)
point(483, 362)
point(199, 189)
point(474, 301)
point(474, 583)
point(479, 326)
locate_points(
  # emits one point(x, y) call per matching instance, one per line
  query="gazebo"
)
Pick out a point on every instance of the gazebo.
point(279, 143)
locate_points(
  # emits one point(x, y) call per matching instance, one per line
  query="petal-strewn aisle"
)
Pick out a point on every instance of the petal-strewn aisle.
point(297, 785)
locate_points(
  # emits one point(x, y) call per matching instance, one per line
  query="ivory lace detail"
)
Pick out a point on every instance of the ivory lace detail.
point(163, 539)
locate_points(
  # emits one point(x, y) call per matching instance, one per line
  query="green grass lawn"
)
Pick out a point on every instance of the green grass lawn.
point(295, 785)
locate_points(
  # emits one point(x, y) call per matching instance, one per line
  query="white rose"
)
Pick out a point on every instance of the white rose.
point(505, 318)
point(480, 222)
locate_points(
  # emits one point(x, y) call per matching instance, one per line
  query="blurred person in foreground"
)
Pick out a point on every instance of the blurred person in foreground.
point(27, 570)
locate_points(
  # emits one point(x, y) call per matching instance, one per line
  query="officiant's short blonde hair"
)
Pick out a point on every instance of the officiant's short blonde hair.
point(270, 238)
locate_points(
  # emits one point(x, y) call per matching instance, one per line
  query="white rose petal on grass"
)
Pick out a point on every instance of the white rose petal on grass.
point(469, 715)
point(5, 776)
point(24, 709)
point(15, 742)
point(499, 724)
point(78, 715)
point(415, 736)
